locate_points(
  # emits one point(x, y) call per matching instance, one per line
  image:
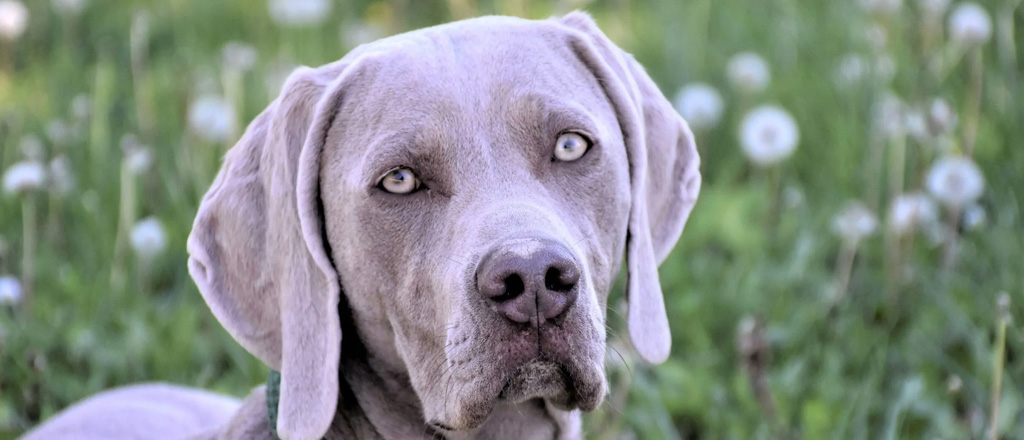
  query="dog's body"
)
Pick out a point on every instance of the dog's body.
point(456, 202)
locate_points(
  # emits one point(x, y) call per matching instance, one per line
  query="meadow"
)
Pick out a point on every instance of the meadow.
point(854, 268)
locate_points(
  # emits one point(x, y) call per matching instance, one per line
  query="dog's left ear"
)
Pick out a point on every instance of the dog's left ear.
point(664, 176)
point(258, 254)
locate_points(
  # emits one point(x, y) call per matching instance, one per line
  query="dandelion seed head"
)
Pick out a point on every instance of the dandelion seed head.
point(62, 180)
point(239, 56)
point(700, 105)
point(884, 68)
point(299, 13)
point(24, 177)
point(768, 135)
point(970, 25)
point(148, 238)
point(59, 132)
point(916, 124)
point(748, 72)
point(212, 118)
point(360, 32)
point(10, 290)
point(138, 160)
point(69, 7)
point(881, 7)
point(852, 69)
point(888, 113)
point(974, 217)
point(854, 222)
point(910, 212)
point(942, 117)
point(933, 8)
point(955, 181)
point(32, 147)
point(876, 36)
point(81, 106)
point(13, 19)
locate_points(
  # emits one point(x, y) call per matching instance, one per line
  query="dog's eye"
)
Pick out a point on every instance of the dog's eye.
point(570, 146)
point(399, 181)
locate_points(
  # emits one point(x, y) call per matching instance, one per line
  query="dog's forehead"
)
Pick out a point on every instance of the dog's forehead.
point(478, 67)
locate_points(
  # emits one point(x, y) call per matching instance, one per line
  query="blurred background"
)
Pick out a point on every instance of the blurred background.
point(852, 270)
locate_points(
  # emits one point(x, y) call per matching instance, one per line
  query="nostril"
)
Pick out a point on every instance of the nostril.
point(559, 281)
point(514, 286)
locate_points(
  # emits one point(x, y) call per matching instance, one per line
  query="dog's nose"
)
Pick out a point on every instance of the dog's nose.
point(529, 279)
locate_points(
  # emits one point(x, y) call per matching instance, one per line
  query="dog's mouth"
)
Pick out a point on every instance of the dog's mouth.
point(539, 379)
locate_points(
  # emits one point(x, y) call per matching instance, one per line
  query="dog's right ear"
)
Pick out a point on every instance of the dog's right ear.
point(258, 254)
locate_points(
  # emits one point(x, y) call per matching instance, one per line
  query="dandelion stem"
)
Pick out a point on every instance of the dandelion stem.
point(125, 219)
point(28, 252)
point(28, 255)
point(844, 268)
point(873, 172)
point(974, 101)
point(998, 363)
point(952, 241)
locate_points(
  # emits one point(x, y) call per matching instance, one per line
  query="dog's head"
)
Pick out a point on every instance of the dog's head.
point(470, 189)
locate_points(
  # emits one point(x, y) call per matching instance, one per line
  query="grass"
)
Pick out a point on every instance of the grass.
point(912, 350)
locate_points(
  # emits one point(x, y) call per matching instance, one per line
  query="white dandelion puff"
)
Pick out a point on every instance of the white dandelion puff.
point(212, 118)
point(881, 7)
point(955, 181)
point(23, 177)
point(239, 56)
point(13, 19)
point(974, 217)
point(768, 135)
point(941, 117)
point(876, 36)
point(32, 147)
point(62, 179)
point(748, 72)
point(69, 7)
point(81, 106)
point(910, 212)
point(148, 238)
point(299, 13)
point(59, 132)
point(700, 105)
point(933, 8)
point(888, 113)
point(357, 33)
point(884, 68)
point(970, 25)
point(854, 222)
point(138, 160)
point(10, 290)
point(916, 124)
point(852, 69)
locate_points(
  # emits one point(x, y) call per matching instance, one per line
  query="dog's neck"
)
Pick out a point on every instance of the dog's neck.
point(374, 402)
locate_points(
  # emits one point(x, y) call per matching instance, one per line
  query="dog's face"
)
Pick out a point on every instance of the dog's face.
point(477, 234)
point(469, 191)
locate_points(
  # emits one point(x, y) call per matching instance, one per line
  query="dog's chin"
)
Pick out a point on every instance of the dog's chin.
point(557, 384)
point(539, 379)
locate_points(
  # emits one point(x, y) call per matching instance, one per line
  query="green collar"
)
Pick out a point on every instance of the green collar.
point(273, 392)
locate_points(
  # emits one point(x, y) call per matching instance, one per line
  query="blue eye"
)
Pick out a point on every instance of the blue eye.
point(399, 181)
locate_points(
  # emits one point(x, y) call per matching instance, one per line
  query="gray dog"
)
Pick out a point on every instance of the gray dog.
point(421, 238)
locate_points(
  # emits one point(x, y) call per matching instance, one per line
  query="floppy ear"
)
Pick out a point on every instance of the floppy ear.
point(258, 256)
point(664, 177)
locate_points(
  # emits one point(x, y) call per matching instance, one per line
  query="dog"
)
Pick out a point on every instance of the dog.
point(421, 238)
